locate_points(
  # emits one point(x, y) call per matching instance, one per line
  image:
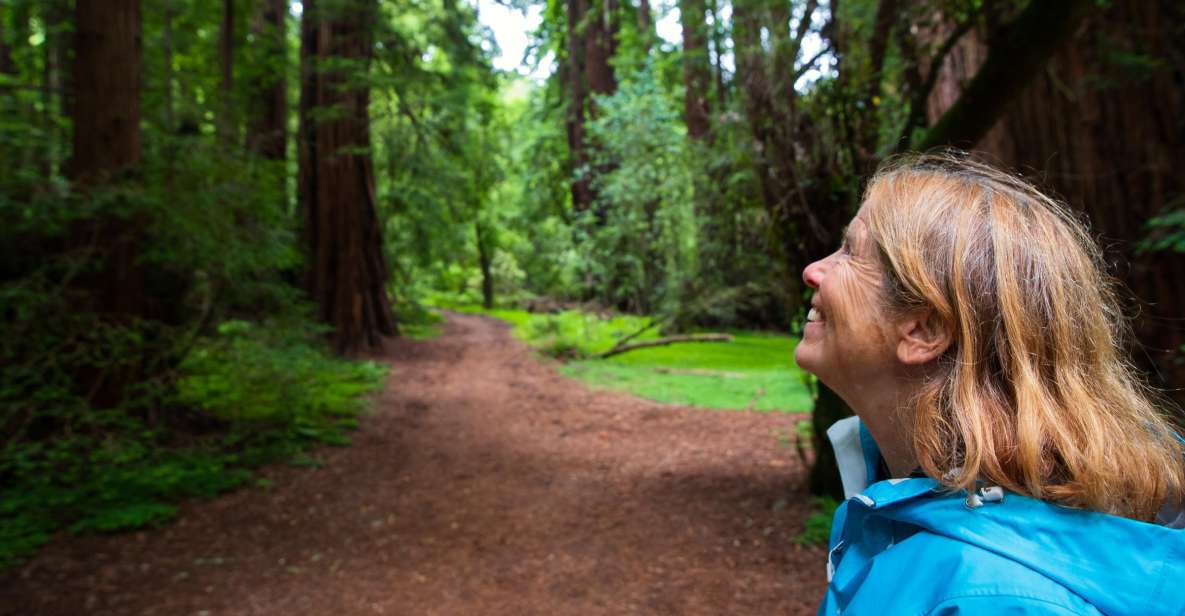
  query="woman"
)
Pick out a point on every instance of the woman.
point(1006, 458)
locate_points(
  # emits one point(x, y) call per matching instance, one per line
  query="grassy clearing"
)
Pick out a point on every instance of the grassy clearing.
point(755, 371)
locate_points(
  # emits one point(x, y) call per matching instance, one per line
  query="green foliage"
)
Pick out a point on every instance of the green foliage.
point(270, 377)
point(817, 530)
point(1166, 231)
point(270, 391)
point(570, 333)
point(640, 241)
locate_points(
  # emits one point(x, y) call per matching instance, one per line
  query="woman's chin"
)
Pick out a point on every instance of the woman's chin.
point(805, 356)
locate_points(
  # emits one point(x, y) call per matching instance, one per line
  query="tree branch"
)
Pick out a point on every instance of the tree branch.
point(645, 344)
point(804, 24)
point(918, 101)
point(1023, 50)
point(809, 64)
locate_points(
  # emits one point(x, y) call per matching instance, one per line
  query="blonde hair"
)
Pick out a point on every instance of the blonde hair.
point(1034, 393)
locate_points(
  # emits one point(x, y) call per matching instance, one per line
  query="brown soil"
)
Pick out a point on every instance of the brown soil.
point(483, 483)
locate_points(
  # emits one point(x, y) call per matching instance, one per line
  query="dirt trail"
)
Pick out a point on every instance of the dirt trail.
point(484, 483)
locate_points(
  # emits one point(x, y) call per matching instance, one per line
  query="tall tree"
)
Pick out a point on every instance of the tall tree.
point(347, 272)
point(107, 55)
point(267, 130)
point(106, 114)
point(600, 46)
point(577, 90)
point(697, 68)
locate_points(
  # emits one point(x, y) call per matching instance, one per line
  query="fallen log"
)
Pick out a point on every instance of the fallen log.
point(645, 344)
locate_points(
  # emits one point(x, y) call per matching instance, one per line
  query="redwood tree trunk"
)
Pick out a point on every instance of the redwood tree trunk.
point(577, 84)
point(107, 56)
point(697, 71)
point(267, 133)
point(485, 260)
point(347, 271)
point(600, 45)
point(107, 83)
point(1112, 143)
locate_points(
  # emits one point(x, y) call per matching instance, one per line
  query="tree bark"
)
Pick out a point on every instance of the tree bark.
point(697, 71)
point(347, 272)
point(582, 195)
point(600, 46)
point(485, 259)
point(267, 134)
point(107, 56)
point(1019, 56)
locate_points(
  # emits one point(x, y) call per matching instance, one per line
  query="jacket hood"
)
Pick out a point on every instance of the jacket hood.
point(1116, 564)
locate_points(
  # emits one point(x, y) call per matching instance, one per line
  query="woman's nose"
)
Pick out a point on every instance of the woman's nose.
point(814, 273)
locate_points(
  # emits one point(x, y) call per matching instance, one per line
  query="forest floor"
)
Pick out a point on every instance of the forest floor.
point(483, 482)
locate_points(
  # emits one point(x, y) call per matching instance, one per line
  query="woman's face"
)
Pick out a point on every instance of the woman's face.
point(848, 340)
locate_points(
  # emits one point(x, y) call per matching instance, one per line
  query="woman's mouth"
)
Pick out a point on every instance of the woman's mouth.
point(815, 315)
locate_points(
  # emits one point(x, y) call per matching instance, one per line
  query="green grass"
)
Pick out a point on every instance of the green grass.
point(755, 371)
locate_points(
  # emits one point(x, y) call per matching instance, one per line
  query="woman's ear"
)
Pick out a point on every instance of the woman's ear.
point(923, 337)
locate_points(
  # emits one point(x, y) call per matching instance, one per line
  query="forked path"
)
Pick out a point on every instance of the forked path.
point(483, 483)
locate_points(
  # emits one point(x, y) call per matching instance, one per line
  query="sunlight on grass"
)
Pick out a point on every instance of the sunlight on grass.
point(755, 371)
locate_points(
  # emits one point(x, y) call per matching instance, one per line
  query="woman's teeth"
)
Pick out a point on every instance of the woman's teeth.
point(814, 315)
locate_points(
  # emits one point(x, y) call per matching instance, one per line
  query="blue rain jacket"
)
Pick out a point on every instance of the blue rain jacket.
point(908, 546)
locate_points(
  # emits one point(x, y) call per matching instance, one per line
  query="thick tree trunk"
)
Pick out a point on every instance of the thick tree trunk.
point(107, 77)
point(1010, 66)
point(485, 259)
point(107, 56)
point(697, 71)
point(347, 272)
point(1111, 143)
point(267, 133)
point(600, 46)
point(582, 195)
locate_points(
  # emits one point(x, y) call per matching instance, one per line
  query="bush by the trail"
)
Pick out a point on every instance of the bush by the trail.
point(568, 334)
point(817, 529)
point(248, 395)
